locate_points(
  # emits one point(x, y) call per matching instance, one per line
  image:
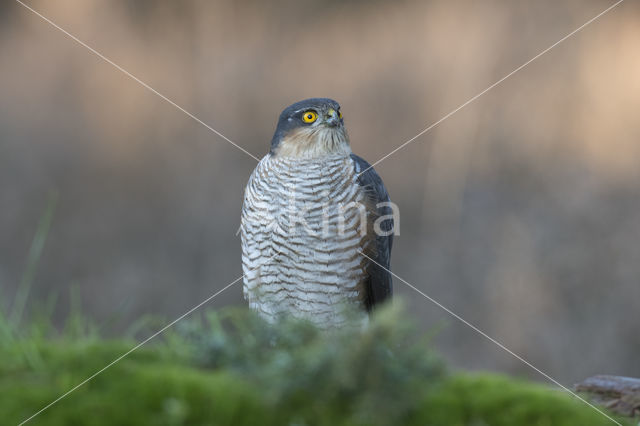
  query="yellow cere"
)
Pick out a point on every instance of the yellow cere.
point(340, 115)
point(309, 116)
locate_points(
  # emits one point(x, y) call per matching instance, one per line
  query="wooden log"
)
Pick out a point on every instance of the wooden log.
point(619, 394)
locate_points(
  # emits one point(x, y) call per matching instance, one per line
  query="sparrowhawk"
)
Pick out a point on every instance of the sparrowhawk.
point(311, 209)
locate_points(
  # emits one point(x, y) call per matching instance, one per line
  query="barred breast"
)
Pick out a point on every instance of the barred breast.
point(301, 236)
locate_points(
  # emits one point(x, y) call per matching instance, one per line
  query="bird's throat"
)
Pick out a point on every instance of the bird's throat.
point(313, 142)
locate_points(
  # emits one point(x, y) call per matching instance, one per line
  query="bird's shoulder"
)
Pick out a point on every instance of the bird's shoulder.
point(369, 179)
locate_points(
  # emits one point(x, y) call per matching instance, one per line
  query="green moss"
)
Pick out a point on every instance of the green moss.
point(143, 388)
point(234, 369)
point(346, 376)
point(490, 399)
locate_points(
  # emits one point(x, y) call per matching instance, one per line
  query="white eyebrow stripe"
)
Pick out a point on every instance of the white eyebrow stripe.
point(305, 109)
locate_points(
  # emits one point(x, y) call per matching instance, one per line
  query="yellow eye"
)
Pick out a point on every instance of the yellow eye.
point(309, 116)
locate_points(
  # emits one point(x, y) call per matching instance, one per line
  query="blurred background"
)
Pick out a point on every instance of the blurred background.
point(520, 212)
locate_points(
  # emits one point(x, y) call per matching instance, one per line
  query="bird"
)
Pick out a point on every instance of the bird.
point(317, 224)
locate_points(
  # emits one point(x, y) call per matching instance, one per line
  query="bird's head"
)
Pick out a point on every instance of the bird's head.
point(310, 128)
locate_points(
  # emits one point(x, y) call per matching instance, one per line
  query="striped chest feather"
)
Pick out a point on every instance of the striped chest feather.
point(302, 228)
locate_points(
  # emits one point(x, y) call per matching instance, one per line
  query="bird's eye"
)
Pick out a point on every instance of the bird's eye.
point(340, 114)
point(309, 116)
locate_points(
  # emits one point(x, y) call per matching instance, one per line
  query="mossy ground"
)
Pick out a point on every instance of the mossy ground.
point(143, 388)
point(233, 369)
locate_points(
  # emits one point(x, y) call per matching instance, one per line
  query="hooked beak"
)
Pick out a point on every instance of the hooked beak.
point(332, 119)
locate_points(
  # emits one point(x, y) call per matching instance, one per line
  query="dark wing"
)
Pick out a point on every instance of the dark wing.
point(378, 285)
